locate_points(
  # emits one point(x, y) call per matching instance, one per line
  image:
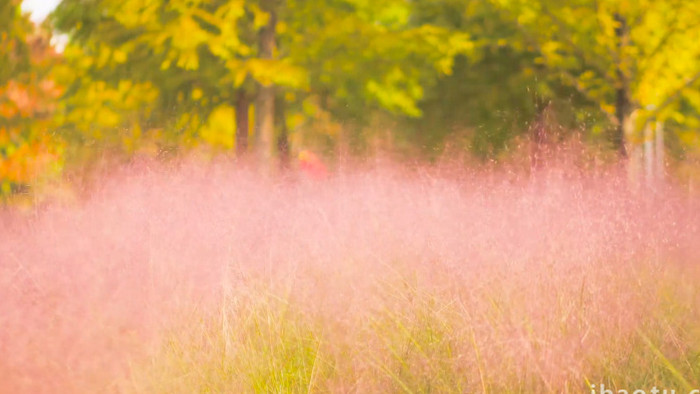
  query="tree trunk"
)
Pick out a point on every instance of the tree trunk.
point(622, 115)
point(283, 137)
point(660, 152)
point(539, 136)
point(622, 110)
point(265, 101)
point(649, 161)
point(242, 122)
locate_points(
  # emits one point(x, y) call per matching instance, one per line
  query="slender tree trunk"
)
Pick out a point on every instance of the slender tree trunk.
point(622, 115)
point(539, 136)
point(265, 101)
point(622, 110)
point(242, 122)
point(283, 136)
point(649, 161)
point(660, 151)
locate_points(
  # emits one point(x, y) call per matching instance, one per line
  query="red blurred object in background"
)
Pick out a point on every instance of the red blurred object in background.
point(311, 165)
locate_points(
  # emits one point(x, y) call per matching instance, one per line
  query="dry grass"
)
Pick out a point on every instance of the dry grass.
point(380, 280)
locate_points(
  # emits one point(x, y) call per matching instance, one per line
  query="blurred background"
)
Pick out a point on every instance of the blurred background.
point(89, 84)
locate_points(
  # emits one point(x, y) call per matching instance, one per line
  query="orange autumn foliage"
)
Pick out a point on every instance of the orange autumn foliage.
point(28, 97)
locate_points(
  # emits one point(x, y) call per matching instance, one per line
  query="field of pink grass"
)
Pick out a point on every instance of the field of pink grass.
point(211, 278)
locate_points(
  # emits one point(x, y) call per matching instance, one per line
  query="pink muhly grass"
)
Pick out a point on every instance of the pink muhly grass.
point(392, 279)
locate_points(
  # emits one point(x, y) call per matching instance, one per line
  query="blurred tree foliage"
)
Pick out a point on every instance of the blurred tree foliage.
point(274, 76)
point(636, 61)
point(27, 101)
point(184, 67)
point(493, 95)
